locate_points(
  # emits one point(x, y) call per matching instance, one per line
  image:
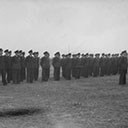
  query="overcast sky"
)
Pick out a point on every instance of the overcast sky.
point(64, 25)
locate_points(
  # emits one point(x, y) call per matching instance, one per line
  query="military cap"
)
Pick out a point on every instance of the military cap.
point(123, 52)
point(103, 54)
point(91, 54)
point(1, 49)
point(10, 51)
point(30, 51)
point(78, 54)
point(20, 51)
point(57, 53)
point(46, 53)
point(97, 54)
point(5, 51)
point(23, 53)
point(16, 51)
point(63, 55)
point(82, 54)
point(69, 54)
point(34, 53)
point(73, 54)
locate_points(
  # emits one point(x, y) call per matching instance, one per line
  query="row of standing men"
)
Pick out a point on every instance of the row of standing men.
point(18, 68)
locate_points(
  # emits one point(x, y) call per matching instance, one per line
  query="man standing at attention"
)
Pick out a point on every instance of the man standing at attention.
point(2, 67)
point(29, 65)
point(45, 65)
point(36, 65)
point(123, 68)
point(56, 62)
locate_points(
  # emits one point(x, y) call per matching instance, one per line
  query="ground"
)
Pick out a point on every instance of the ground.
point(85, 103)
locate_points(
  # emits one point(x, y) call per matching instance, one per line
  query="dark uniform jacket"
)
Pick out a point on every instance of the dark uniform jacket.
point(45, 62)
point(2, 63)
point(16, 62)
point(123, 64)
point(78, 63)
point(68, 63)
point(22, 59)
point(36, 62)
point(63, 62)
point(74, 62)
point(29, 62)
point(56, 62)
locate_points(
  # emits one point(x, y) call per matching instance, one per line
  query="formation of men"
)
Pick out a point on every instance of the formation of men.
point(18, 68)
point(88, 65)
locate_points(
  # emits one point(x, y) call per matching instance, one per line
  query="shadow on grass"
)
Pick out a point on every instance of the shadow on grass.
point(21, 112)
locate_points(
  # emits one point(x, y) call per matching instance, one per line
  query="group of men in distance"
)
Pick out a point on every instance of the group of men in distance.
point(19, 67)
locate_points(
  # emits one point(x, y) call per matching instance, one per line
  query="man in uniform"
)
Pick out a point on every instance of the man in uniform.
point(8, 65)
point(45, 65)
point(29, 65)
point(82, 64)
point(78, 66)
point(63, 64)
point(23, 67)
point(108, 64)
point(9, 77)
point(90, 67)
point(2, 67)
point(16, 67)
point(96, 64)
point(56, 62)
point(6, 59)
point(116, 63)
point(36, 65)
point(102, 65)
point(85, 65)
point(74, 61)
point(123, 68)
point(68, 67)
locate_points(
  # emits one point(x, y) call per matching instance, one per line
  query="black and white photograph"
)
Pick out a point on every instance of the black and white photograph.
point(63, 63)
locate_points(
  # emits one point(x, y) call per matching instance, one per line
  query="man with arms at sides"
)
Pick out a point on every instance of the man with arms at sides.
point(56, 62)
point(123, 68)
point(30, 68)
point(36, 65)
point(45, 65)
point(2, 67)
point(16, 67)
point(68, 67)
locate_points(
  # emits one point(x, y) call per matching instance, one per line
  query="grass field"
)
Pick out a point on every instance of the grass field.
point(85, 103)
